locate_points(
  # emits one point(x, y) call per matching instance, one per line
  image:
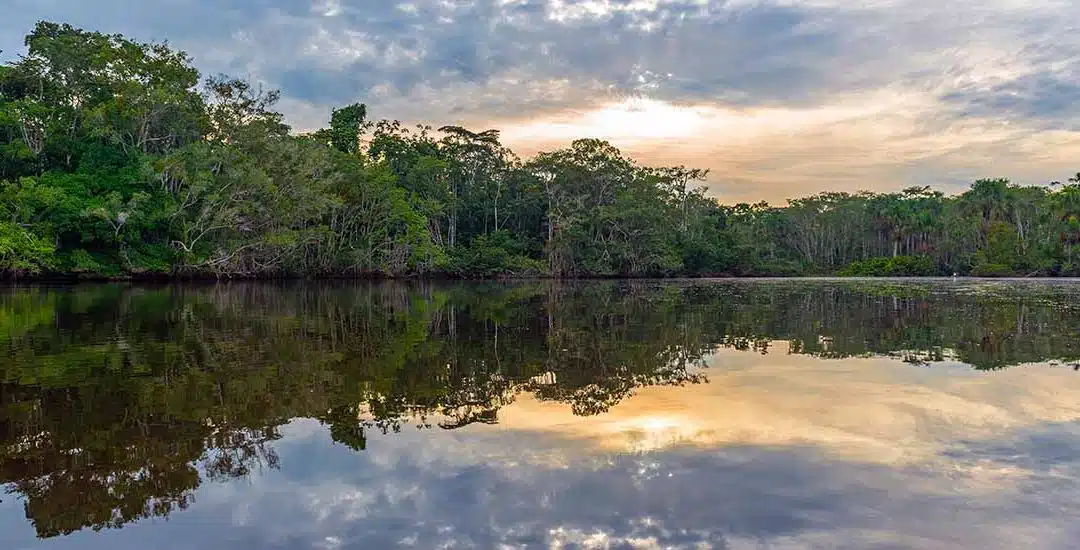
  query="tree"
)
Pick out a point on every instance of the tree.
point(346, 124)
point(115, 162)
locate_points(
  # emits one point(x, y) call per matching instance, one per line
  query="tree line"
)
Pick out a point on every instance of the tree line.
point(118, 159)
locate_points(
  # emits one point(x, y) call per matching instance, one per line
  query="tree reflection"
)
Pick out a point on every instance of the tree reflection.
point(116, 402)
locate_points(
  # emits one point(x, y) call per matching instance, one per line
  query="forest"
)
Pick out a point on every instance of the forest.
point(118, 159)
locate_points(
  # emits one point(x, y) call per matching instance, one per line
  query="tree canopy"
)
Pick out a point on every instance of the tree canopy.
point(118, 159)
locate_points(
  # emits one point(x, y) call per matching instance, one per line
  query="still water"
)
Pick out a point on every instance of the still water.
point(706, 414)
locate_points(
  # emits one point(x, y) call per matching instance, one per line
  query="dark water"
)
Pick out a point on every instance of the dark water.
point(712, 414)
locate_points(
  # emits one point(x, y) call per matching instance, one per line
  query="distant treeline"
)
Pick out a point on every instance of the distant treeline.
point(117, 159)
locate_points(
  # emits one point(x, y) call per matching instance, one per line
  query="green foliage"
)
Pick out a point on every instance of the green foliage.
point(345, 127)
point(411, 247)
point(80, 261)
point(22, 252)
point(150, 259)
point(1000, 257)
point(493, 255)
point(112, 155)
point(899, 266)
point(986, 269)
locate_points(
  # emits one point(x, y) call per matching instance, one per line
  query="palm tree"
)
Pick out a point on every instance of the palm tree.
point(989, 198)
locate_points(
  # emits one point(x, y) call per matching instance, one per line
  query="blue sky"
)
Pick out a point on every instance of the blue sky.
point(776, 97)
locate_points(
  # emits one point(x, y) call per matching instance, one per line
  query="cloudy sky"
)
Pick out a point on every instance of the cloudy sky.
point(777, 98)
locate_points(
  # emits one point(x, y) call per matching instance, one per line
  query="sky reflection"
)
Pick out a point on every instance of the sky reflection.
point(777, 451)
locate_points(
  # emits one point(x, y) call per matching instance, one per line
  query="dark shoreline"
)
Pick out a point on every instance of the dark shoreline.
point(203, 278)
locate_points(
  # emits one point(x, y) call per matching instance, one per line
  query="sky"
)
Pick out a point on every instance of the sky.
point(777, 98)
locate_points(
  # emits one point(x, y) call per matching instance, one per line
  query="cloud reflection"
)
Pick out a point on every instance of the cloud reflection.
point(872, 409)
point(778, 450)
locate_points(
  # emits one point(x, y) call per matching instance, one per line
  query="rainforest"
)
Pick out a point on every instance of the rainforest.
point(118, 160)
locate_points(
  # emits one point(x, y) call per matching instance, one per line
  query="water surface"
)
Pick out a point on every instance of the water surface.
point(712, 414)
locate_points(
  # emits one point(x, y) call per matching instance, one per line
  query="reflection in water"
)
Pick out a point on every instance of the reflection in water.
point(117, 402)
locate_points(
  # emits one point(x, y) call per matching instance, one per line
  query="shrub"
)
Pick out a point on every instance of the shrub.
point(497, 253)
point(22, 252)
point(992, 270)
point(898, 266)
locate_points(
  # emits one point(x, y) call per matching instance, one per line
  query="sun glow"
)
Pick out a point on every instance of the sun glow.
point(631, 119)
point(868, 409)
point(642, 122)
point(652, 433)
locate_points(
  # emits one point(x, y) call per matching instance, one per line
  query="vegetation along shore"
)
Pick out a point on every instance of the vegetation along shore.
point(119, 160)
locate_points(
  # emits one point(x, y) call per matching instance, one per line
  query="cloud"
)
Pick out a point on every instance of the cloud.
point(440, 490)
point(1046, 99)
point(798, 95)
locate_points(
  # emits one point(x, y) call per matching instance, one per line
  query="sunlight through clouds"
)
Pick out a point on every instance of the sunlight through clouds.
point(631, 120)
point(775, 97)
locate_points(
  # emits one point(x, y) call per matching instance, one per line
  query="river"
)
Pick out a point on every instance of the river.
point(605, 414)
